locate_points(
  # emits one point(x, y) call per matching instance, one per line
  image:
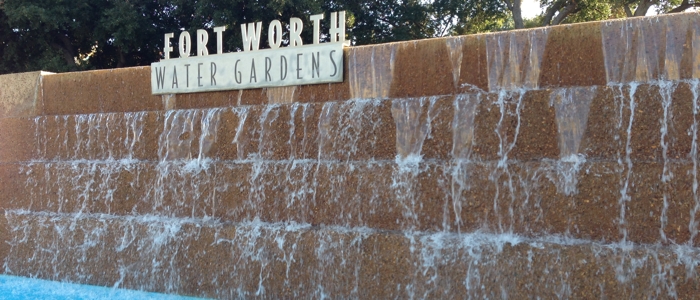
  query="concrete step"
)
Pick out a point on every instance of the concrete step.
point(282, 260)
point(599, 201)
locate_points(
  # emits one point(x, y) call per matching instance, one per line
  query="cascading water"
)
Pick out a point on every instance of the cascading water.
point(518, 190)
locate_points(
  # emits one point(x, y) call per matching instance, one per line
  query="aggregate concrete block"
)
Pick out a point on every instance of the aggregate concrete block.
point(357, 130)
point(72, 93)
point(682, 206)
point(18, 139)
point(605, 133)
point(304, 141)
point(515, 125)
point(415, 75)
point(573, 56)
point(370, 71)
point(395, 183)
point(645, 139)
point(207, 99)
point(514, 58)
point(536, 128)
point(275, 260)
point(473, 74)
point(530, 199)
point(227, 132)
point(680, 120)
point(118, 90)
point(647, 49)
point(260, 133)
point(427, 123)
point(251, 97)
point(324, 92)
point(21, 94)
point(125, 90)
point(132, 135)
point(489, 131)
point(662, 122)
point(386, 267)
point(17, 185)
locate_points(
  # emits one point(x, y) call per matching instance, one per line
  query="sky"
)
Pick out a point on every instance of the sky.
point(530, 8)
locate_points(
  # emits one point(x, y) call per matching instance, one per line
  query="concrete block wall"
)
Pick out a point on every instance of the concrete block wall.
point(553, 162)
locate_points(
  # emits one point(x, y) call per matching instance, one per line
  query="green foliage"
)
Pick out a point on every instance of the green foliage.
point(63, 35)
point(667, 5)
point(591, 10)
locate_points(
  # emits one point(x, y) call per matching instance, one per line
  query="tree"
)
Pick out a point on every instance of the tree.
point(384, 21)
point(62, 35)
point(515, 7)
point(452, 17)
point(636, 8)
point(572, 11)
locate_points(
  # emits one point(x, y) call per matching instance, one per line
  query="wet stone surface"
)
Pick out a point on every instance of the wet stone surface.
point(461, 167)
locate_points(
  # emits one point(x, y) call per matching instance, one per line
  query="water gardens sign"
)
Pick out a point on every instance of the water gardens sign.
point(253, 68)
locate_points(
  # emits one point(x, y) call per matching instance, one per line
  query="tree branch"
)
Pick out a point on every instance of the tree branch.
point(643, 7)
point(553, 9)
point(509, 4)
point(684, 5)
point(517, 15)
point(121, 62)
point(66, 50)
point(569, 9)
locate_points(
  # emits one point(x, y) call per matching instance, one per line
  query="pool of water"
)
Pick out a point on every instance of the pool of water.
point(15, 288)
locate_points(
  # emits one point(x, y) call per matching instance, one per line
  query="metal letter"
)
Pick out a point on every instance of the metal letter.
point(185, 44)
point(337, 30)
point(219, 39)
point(295, 28)
point(202, 40)
point(317, 26)
point(167, 49)
point(251, 36)
point(274, 34)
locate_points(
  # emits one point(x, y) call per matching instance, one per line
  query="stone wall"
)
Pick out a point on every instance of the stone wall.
point(554, 162)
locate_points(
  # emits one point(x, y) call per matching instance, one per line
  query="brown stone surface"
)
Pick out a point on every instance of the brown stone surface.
point(324, 92)
point(207, 99)
point(604, 135)
point(100, 136)
point(422, 68)
point(251, 97)
point(273, 260)
point(530, 199)
point(515, 125)
point(16, 186)
point(537, 128)
point(573, 56)
point(21, 94)
point(439, 116)
point(370, 70)
point(118, 90)
point(473, 70)
point(645, 49)
point(71, 93)
point(123, 90)
point(18, 139)
point(406, 180)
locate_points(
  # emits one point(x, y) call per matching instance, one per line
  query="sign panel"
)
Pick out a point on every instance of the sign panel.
point(309, 64)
